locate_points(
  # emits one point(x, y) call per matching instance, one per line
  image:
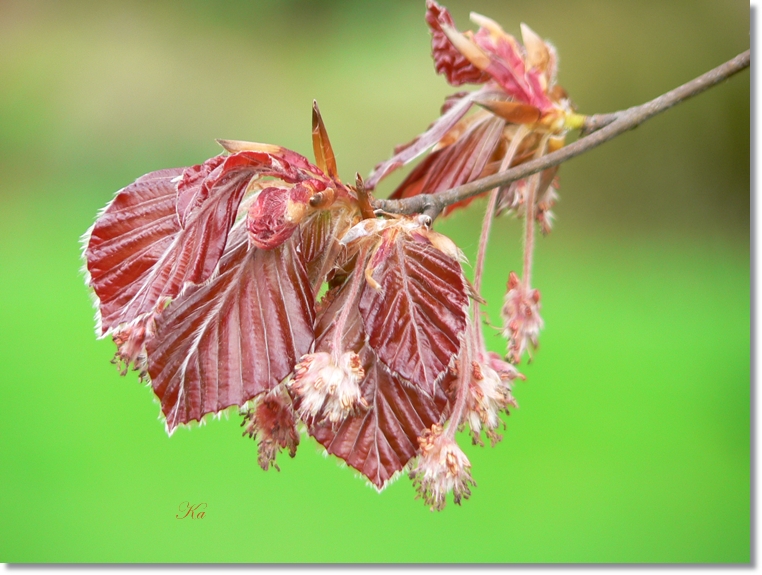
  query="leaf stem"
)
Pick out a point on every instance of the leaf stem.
point(529, 219)
point(464, 382)
point(489, 215)
point(529, 230)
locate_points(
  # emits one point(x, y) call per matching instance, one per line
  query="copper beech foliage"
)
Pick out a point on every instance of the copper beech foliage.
point(260, 280)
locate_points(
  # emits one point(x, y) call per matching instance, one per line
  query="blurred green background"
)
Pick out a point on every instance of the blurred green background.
point(632, 443)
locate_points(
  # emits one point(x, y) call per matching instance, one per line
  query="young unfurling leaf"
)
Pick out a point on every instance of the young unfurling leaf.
point(448, 60)
point(518, 89)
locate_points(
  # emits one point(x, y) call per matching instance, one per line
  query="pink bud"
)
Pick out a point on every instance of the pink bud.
point(277, 212)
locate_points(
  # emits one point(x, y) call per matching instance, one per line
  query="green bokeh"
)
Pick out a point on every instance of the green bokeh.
point(632, 442)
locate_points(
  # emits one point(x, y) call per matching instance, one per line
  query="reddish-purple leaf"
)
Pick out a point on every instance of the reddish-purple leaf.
point(380, 441)
point(165, 256)
point(190, 189)
point(130, 236)
point(195, 250)
point(460, 162)
point(224, 342)
point(447, 59)
point(140, 229)
point(416, 320)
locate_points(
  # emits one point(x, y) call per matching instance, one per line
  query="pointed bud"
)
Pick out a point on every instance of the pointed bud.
point(514, 112)
point(321, 145)
point(487, 23)
point(538, 55)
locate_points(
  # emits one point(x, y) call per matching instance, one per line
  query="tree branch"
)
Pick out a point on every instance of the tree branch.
point(597, 129)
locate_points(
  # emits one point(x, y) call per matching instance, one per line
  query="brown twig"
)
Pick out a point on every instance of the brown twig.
point(597, 129)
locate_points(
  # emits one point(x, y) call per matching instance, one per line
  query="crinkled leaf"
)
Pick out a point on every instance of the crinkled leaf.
point(458, 163)
point(276, 213)
point(416, 320)
point(224, 342)
point(166, 256)
point(378, 442)
point(130, 236)
point(191, 191)
point(447, 59)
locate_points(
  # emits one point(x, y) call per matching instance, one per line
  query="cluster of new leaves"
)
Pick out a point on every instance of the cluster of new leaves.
point(260, 280)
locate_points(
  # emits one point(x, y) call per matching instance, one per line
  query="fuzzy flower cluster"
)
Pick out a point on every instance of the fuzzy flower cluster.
point(521, 313)
point(489, 393)
point(272, 421)
point(513, 198)
point(442, 467)
point(328, 390)
point(130, 350)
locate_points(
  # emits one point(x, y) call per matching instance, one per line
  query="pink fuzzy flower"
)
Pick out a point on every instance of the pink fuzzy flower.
point(521, 314)
point(489, 393)
point(272, 421)
point(442, 467)
point(326, 389)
